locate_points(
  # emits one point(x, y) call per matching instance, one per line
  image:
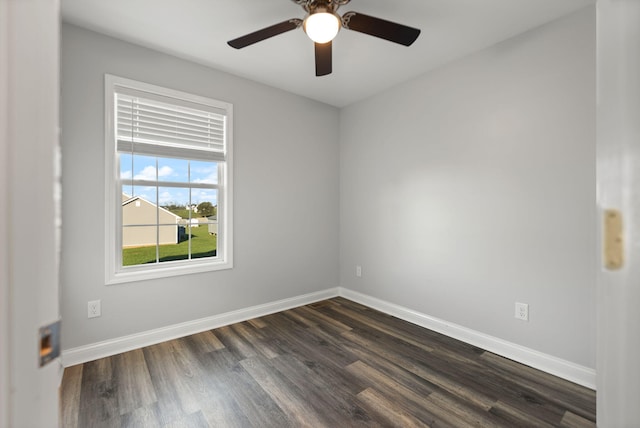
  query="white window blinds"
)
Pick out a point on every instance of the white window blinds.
point(153, 124)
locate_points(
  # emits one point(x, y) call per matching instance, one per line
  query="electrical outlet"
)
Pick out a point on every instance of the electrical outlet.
point(358, 271)
point(522, 311)
point(93, 308)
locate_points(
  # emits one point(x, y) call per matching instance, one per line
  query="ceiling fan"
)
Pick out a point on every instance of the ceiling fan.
point(322, 24)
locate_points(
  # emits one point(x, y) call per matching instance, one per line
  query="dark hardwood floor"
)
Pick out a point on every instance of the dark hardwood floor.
point(330, 364)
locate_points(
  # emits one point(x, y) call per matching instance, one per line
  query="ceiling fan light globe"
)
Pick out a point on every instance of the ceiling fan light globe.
point(322, 27)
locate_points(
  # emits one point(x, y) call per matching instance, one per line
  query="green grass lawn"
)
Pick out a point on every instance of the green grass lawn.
point(184, 213)
point(202, 245)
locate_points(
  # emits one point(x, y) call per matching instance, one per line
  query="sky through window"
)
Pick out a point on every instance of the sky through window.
point(165, 170)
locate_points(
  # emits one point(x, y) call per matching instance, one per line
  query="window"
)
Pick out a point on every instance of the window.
point(168, 182)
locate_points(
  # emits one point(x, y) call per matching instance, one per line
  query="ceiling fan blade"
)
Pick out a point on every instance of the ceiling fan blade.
point(323, 58)
point(377, 27)
point(265, 33)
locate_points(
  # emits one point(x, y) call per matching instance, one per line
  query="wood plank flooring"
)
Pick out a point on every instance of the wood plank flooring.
point(330, 364)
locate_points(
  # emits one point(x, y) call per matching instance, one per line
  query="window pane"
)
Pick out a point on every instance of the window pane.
point(139, 245)
point(174, 202)
point(206, 201)
point(170, 169)
point(139, 208)
point(204, 172)
point(174, 243)
point(139, 225)
point(205, 237)
point(203, 242)
point(146, 196)
point(125, 165)
point(144, 167)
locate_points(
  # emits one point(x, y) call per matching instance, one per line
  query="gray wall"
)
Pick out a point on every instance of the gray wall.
point(286, 195)
point(474, 188)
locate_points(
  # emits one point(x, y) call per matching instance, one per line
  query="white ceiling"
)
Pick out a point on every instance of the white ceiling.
point(198, 30)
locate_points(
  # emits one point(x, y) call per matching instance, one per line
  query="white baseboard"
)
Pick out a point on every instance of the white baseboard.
point(530, 357)
point(556, 366)
point(94, 351)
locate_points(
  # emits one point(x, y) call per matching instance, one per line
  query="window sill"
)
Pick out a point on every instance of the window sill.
point(167, 269)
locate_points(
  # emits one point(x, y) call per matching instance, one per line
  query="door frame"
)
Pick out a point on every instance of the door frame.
point(618, 188)
point(4, 238)
point(29, 298)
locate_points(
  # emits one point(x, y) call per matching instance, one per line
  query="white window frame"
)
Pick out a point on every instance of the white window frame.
point(115, 273)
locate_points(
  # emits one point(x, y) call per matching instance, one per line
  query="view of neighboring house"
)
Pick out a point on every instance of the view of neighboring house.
point(137, 212)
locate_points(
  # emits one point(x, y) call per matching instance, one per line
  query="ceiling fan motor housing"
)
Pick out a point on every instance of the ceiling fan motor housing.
point(309, 5)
